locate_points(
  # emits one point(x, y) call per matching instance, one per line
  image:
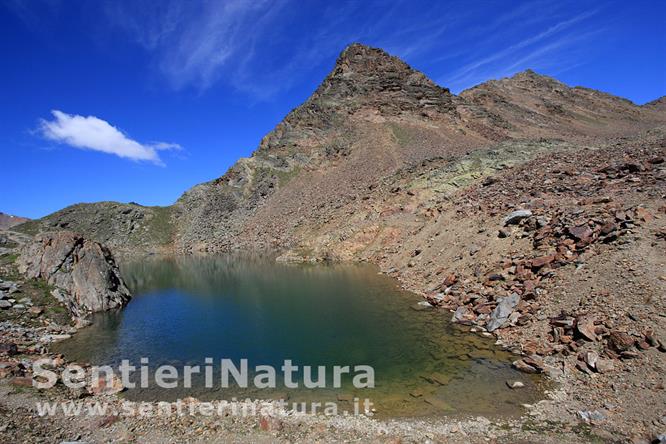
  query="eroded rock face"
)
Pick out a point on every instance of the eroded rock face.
point(84, 272)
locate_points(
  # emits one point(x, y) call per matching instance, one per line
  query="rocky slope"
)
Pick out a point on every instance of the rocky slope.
point(533, 105)
point(372, 117)
point(125, 228)
point(8, 221)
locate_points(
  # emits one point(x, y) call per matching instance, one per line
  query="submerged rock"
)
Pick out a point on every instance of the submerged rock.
point(84, 272)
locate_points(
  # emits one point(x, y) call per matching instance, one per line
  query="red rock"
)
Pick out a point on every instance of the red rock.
point(585, 326)
point(608, 228)
point(620, 341)
point(450, 280)
point(484, 308)
point(535, 362)
point(20, 381)
point(529, 286)
point(270, 424)
point(581, 233)
point(643, 214)
point(643, 345)
point(114, 385)
point(543, 260)
point(35, 311)
point(108, 421)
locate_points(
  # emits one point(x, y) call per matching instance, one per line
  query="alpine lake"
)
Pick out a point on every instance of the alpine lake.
point(187, 309)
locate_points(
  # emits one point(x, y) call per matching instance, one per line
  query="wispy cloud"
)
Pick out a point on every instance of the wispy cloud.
point(526, 50)
point(195, 42)
point(35, 14)
point(92, 133)
point(263, 47)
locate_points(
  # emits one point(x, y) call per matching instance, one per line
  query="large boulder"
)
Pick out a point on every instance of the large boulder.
point(84, 272)
point(502, 311)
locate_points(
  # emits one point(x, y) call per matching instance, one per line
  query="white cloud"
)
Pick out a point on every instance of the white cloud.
point(92, 133)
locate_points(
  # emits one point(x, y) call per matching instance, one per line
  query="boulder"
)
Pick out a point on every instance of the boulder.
point(502, 312)
point(463, 315)
point(524, 367)
point(516, 216)
point(84, 272)
point(620, 341)
point(604, 365)
point(585, 326)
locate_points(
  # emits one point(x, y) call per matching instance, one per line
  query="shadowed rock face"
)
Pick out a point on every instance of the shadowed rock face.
point(84, 272)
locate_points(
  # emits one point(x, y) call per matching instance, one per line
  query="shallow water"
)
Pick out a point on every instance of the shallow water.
point(188, 308)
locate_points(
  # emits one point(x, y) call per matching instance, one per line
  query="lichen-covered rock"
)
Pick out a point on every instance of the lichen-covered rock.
point(84, 272)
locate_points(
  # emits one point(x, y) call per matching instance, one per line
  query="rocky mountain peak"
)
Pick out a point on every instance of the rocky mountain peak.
point(532, 79)
point(358, 59)
point(363, 78)
point(371, 76)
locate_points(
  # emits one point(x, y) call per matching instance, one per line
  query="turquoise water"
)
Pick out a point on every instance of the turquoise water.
point(186, 309)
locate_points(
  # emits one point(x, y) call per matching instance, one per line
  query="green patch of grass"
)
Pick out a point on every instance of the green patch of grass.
point(284, 177)
point(31, 227)
point(400, 134)
point(8, 258)
point(161, 228)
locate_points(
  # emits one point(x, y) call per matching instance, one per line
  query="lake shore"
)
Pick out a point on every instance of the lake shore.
point(546, 421)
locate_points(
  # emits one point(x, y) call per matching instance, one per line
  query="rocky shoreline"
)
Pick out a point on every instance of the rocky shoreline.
point(579, 292)
point(26, 335)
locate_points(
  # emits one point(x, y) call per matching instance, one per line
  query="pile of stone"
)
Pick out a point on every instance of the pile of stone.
point(508, 295)
point(8, 298)
point(572, 334)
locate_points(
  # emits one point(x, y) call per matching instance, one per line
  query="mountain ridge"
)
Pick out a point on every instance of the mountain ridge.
point(8, 220)
point(372, 116)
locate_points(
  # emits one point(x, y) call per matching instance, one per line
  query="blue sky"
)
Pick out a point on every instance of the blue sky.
point(139, 100)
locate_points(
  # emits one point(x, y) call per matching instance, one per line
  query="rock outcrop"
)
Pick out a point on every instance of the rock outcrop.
point(83, 272)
